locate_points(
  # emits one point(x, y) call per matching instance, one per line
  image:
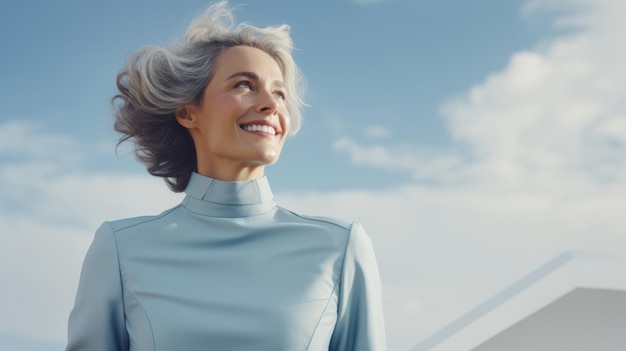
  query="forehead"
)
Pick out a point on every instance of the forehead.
point(247, 59)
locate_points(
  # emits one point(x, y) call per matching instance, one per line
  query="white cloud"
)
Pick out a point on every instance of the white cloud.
point(423, 164)
point(377, 132)
point(40, 267)
point(558, 109)
point(27, 138)
point(376, 155)
point(542, 170)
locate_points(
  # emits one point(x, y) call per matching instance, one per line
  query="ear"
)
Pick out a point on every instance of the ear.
point(185, 117)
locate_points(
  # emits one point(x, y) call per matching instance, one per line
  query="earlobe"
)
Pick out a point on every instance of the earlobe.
point(185, 117)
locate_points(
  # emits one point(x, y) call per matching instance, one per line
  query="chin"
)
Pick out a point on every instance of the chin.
point(270, 160)
point(269, 157)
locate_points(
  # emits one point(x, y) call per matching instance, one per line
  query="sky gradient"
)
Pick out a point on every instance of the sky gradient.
point(473, 140)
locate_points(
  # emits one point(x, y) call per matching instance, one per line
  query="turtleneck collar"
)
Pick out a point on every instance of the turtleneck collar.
point(218, 198)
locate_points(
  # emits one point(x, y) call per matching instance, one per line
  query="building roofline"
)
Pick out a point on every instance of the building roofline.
point(560, 275)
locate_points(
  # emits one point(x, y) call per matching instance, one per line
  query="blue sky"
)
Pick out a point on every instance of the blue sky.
point(387, 64)
point(461, 133)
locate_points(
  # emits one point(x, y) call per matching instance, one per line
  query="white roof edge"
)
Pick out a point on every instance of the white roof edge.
point(565, 272)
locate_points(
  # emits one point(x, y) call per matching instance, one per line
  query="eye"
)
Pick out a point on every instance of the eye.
point(244, 84)
point(281, 95)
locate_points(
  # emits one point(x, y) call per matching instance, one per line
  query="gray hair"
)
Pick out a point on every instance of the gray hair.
point(157, 81)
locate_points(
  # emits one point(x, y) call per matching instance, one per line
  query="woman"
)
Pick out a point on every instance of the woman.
point(226, 269)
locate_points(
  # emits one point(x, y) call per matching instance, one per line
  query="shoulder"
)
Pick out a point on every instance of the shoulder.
point(125, 224)
point(353, 232)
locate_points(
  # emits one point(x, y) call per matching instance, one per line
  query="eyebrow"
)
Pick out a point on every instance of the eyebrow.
point(253, 76)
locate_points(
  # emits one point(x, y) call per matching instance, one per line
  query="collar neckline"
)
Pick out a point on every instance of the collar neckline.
point(217, 198)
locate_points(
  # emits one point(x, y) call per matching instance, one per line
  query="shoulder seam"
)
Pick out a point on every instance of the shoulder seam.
point(119, 267)
point(146, 220)
point(348, 226)
point(343, 264)
point(123, 285)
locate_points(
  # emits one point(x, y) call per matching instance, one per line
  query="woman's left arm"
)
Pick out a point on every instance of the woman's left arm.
point(360, 323)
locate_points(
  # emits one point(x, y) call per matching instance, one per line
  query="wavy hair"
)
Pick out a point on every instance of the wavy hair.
point(159, 80)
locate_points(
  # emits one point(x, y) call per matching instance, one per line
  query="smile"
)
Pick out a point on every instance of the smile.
point(259, 128)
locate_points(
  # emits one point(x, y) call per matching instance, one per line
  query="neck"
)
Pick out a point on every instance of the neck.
point(231, 171)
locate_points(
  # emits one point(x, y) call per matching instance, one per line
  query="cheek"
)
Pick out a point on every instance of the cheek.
point(220, 121)
point(285, 117)
point(227, 107)
point(287, 125)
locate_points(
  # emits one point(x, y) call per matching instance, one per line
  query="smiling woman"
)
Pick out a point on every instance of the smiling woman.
point(227, 269)
point(242, 122)
point(161, 83)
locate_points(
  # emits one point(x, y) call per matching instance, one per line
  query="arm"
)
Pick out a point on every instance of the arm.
point(97, 321)
point(360, 324)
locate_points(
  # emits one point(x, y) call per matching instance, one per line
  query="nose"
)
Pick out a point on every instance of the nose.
point(267, 102)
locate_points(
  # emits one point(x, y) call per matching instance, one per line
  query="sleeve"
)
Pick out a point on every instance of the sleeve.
point(360, 324)
point(97, 321)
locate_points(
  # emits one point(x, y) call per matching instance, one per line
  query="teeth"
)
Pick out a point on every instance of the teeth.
point(259, 128)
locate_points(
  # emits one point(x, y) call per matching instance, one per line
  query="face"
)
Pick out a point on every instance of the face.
point(242, 122)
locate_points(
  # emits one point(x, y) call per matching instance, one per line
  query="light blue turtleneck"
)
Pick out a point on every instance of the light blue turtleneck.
point(228, 270)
